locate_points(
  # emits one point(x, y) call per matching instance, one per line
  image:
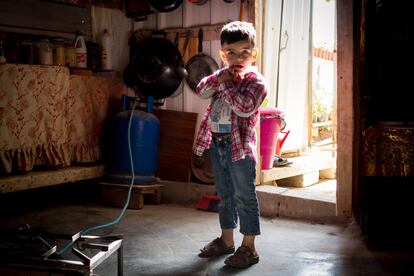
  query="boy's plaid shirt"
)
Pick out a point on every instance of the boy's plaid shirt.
point(244, 98)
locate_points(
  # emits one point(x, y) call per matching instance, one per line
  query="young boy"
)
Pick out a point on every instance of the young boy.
point(229, 130)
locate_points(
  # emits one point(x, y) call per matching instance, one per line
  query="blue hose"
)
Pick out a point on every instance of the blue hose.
point(120, 215)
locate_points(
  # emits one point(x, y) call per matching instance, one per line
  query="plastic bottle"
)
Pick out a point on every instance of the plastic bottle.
point(81, 52)
point(106, 42)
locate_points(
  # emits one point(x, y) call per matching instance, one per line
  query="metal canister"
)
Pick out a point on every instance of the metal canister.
point(45, 53)
point(26, 51)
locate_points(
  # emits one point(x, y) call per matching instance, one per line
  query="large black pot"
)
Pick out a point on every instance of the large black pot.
point(155, 69)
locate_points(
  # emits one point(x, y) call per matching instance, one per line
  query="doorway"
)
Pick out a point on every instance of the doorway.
point(302, 79)
point(322, 100)
point(322, 74)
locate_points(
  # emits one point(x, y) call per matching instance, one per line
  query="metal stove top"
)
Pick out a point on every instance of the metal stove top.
point(35, 249)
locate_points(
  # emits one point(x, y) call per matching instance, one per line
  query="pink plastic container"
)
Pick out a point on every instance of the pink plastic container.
point(271, 121)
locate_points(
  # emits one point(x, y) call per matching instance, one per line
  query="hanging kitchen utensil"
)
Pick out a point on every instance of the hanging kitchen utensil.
point(200, 65)
point(156, 68)
point(164, 5)
point(138, 9)
point(198, 2)
point(245, 6)
point(241, 15)
point(202, 167)
point(180, 88)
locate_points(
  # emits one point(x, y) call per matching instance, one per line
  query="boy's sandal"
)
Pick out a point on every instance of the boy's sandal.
point(242, 258)
point(217, 247)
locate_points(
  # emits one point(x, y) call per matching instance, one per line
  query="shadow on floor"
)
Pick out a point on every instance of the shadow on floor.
point(165, 239)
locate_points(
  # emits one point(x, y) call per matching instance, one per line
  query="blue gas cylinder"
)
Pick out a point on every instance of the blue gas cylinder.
point(144, 139)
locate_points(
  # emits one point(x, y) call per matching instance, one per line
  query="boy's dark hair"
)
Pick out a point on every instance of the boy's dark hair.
point(237, 31)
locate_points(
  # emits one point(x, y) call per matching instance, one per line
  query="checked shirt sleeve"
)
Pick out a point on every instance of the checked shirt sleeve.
point(208, 86)
point(244, 97)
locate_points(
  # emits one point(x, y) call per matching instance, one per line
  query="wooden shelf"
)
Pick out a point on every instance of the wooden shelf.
point(300, 166)
point(210, 32)
point(37, 179)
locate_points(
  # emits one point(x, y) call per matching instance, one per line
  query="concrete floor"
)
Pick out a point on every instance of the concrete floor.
point(165, 239)
point(316, 202)
point(325, 190)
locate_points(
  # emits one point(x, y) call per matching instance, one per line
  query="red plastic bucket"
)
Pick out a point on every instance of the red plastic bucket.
point(271, 121)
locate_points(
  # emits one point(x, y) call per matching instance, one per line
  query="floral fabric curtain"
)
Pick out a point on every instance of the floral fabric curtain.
point(51, 118)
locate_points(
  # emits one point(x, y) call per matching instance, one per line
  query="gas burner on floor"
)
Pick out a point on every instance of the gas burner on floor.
point(35, 249)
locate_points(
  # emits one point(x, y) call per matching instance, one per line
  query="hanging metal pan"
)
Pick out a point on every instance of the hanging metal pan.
point(164, 5)
point(200, 65)
point(198, 2)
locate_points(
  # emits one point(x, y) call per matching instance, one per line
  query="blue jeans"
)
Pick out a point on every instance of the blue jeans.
point(236, 185)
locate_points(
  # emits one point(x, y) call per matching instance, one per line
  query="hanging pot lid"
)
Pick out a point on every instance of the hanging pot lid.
point(198, 2)
point(164, 5)
point(138, 10)
point(202, 167)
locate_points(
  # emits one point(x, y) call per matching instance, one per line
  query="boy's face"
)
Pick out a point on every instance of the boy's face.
point(239, 56)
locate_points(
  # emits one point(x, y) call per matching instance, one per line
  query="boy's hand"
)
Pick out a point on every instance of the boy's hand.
point(229, 75)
